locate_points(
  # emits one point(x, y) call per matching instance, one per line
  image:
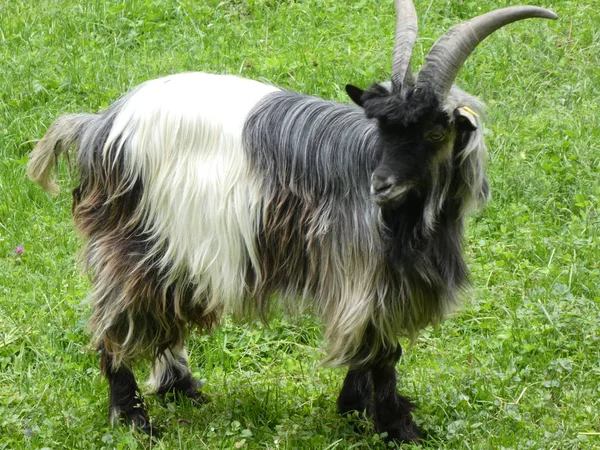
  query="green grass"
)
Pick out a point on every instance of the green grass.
point(517, 367)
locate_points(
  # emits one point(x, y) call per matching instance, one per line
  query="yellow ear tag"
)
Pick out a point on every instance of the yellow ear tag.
point(466, 108)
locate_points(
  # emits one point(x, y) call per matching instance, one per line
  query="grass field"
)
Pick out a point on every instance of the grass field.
point(517, 367)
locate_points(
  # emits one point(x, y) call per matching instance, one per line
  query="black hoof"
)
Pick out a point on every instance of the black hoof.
point(140, 422)
point(407, 433)
point(364, 410)
point(137, 418)
point(399, 425)
point(198, 399)
point(359, 419)
point(187, 387)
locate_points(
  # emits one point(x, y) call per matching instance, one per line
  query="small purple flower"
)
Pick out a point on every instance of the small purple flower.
point(28, 430)
point(19, 249)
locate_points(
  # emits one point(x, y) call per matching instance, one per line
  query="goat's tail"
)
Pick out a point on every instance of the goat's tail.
point(62, 134)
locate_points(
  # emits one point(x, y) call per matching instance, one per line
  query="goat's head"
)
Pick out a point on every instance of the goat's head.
point(420, 124)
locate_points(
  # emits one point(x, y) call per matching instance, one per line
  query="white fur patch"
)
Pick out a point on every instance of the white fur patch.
point(163, 367)
point(182, 135)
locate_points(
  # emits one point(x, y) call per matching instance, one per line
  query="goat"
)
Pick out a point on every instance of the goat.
point(201, 195)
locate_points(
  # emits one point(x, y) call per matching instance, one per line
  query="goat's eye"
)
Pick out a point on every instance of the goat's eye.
point(436, 135)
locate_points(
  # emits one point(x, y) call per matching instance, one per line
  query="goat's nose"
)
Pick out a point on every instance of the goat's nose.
point(380, 184)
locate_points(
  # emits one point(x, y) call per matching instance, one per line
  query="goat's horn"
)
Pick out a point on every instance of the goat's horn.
point(406, 35)
point(450, 52)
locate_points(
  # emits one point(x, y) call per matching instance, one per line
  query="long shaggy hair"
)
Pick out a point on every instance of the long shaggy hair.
point(323, 241)
point(201, 195)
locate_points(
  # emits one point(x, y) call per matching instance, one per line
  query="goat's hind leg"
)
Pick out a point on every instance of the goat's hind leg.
point(126, 401)
point(171, 376)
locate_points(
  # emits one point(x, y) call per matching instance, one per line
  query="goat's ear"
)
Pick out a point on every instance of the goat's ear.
point(355, 94)
point(466, 118)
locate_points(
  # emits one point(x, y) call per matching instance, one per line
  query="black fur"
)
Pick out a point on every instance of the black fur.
point(181, 383)
point(372, 393)
point(391, 411)
point(356, 394)
point(126, 401)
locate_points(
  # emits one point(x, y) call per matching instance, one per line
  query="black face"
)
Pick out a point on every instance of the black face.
point(415, 135)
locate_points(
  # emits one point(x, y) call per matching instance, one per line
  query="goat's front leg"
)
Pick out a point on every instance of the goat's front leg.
point(356, 393)
point(391, 411)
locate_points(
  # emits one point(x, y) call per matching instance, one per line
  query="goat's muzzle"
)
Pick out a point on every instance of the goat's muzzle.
point(385, 189)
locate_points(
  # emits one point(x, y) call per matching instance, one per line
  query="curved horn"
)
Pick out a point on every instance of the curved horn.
point(406, 35)
point(450, 52)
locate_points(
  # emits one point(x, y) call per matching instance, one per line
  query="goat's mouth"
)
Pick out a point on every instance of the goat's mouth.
point(389, 194)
